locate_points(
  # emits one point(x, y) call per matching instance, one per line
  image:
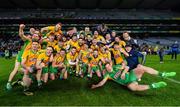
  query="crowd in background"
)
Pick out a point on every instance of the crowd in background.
point(11, 44)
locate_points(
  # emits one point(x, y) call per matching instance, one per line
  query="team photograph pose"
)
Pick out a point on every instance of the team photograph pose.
point(52, 60)
point(89, 53)
point(47, 56)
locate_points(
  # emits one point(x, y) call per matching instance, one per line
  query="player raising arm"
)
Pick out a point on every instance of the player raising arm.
point(27, 45)
point(29, 59)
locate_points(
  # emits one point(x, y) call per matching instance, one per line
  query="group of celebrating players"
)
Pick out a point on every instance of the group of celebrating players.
point(50, 54)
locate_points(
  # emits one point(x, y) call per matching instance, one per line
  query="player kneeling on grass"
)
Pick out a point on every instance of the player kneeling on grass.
point(72, 61)
point(42, 64)
point(29, 59)
point(83, 60)
point(133, 63)
point(58, 64)
point(114, 73)
point(94, 65)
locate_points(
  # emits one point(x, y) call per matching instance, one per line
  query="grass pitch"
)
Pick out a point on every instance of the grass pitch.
point(76, 91)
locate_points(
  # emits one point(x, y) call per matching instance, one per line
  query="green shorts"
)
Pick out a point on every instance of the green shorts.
point(70, 69)
point(32, 77)
point(95, 68)
point(53, 69)
point(45, 70)
point(103, 67)
point(19, 56)
point(132, 77)
point(84, 67)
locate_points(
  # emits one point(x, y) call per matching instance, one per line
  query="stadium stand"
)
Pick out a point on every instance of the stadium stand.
point(159, 18)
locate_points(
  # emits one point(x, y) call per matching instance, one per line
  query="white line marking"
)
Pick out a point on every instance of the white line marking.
point(173, 80)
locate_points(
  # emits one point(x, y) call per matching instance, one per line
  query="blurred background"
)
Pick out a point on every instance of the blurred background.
point(153, 23)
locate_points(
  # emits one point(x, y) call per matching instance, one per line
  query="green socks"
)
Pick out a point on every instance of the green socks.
point(8, 86)
point(158, 85)
point(167, 74)
point(39, 83)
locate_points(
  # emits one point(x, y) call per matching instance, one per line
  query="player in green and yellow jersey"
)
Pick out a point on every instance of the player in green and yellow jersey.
point(42, 64)
point(29, 59)
point(84, 60)
point(52, 29)
point(59, 64)
point(118, 53)
point(72, 61)
point(94, 64)
point(105, 57)
point(27, 45)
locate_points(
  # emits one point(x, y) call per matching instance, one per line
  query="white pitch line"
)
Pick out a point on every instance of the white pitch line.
point(173, 80)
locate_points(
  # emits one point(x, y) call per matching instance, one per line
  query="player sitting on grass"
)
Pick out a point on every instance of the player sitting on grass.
point(128, 80)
